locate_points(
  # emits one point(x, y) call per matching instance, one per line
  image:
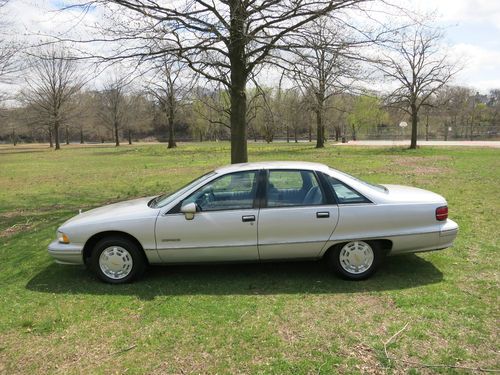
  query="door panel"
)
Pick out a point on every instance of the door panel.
point(210, 236)
point(296, 222)
point(223, 229)
point(295, 232)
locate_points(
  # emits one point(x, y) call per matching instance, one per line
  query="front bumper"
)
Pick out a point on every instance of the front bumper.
point(66, 253)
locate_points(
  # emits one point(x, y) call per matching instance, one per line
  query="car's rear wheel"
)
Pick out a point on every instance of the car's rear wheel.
point(117, 260)
point(355, 260)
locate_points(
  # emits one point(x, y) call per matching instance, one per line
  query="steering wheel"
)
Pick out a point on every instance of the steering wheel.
point(205, 198)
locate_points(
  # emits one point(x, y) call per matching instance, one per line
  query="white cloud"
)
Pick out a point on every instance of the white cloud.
point(480, 11)
point(480, 66)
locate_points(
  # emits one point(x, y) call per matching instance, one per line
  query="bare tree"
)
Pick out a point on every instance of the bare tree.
point(138, 114)
point(216, 109)
point(417, 63)
point(223, 41)
point(114, 106)
point(296, 114)
point(322, 67)
point(266, 114)
point(8, 50)
point(86, 115)
point(170, 87)
point(52, 84)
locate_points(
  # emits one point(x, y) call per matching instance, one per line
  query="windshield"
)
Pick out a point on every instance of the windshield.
point(164, 199)
point(378, 187)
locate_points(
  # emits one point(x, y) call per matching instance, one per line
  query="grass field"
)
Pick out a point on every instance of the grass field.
point(442, 307)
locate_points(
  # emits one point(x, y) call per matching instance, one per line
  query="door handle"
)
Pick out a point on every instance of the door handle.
point(321, 215)
point(248, 218)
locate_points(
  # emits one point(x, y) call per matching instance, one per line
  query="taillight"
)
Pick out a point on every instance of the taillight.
point(442, 213)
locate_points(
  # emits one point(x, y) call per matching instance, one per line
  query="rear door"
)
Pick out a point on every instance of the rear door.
point(297, 216)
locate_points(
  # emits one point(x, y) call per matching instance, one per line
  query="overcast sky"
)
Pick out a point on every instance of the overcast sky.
point(472, 31)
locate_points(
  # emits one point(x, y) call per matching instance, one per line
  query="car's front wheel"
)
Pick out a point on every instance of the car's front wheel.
point(355, 260)
point(117, 260)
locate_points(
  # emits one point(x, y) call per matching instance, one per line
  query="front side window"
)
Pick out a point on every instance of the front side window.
point(293, 188)
point(163, 200)
point(344, 193)
point(229, 192)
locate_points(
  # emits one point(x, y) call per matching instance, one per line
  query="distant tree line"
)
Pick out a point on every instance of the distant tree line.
point(210, 87)
point(118, 113)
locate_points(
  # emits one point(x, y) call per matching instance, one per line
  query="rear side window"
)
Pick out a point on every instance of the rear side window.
point(293, 188)
point(344, 193)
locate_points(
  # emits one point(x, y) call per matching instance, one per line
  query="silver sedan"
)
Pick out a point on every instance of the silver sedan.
point(259, 212)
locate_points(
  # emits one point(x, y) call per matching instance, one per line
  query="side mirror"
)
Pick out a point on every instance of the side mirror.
point(189, 210)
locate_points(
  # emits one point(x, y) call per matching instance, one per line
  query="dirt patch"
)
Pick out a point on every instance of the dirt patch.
point(41, 209)
point(420, 165)
point(367, 358)
point(16, 228)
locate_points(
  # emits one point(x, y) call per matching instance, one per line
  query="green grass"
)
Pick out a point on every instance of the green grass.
point(270, 318)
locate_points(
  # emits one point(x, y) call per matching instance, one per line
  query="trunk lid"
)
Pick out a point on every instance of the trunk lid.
point(408, 194)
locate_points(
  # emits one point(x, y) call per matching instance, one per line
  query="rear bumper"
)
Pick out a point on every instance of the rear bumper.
point(448, 233)
point(66, 253)
point(421, 242)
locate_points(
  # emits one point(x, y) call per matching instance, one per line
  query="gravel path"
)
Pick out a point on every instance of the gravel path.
point(494, 144)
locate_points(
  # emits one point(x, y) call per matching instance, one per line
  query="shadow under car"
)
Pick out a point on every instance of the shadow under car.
point(398, 272)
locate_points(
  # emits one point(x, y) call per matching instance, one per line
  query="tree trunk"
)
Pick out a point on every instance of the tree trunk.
point(51, 144)
point(239, 152)
point(295, 135)
point(67, 134)
point(445, 131)
point(310, 133)
point(237, 58)
point(201, 136)
point(427, 127)
point(414, 123)
point(354, 135)
point(56, 135)
point(81, 136)
point(472, 119)
point(337, 134)
point(129, 135)
point(287, 135)
point(171, 134)
point(117, 139)
point(14, 138)
point(320, 137)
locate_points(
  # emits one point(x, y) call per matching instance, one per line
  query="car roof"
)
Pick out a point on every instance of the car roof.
point(272, 165)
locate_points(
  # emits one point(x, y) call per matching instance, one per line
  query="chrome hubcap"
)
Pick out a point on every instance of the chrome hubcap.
point(115, 262)
point(356, 257)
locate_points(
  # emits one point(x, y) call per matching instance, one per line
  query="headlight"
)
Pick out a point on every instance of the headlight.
point(62, 238)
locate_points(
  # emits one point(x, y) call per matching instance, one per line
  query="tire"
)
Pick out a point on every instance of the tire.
point(355, 260)
point(117, 260)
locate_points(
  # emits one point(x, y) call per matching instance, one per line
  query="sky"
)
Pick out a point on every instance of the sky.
point(472, 29)
point(473, 33)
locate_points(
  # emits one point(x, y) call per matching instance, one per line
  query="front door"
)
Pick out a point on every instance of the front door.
point(297, 220)
point(223, 229)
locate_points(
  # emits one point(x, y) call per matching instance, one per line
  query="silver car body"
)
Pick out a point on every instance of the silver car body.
point(402, 216)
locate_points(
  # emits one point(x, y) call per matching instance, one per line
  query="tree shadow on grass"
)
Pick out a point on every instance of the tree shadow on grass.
point(399, 272)
point(8, 151)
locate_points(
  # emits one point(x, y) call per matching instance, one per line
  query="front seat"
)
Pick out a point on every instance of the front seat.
point(313, 196)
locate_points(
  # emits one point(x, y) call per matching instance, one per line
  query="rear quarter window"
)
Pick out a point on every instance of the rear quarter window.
point(345, 194)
